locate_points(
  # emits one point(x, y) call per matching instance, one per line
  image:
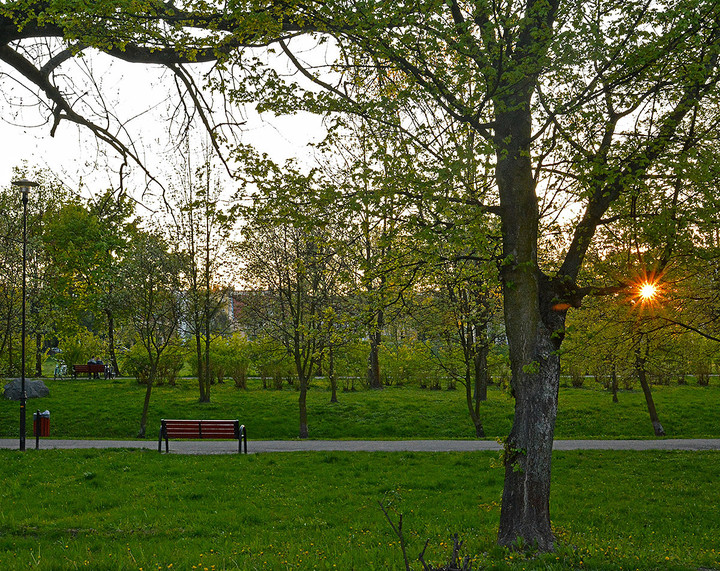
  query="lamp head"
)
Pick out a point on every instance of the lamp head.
point(24, 185)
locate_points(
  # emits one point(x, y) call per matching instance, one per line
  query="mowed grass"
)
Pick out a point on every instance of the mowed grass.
point(111, 409)
point(142, 510)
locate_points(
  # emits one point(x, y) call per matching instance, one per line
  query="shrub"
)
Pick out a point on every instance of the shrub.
point(79, 348)
point(136, 362)
point(409, 361)
point(271, 361)
point(232, 355)
point(171, 362)
point(577, 377)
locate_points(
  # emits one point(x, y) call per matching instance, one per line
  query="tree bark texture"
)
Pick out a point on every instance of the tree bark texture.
point(525, 513)
point(534, 333)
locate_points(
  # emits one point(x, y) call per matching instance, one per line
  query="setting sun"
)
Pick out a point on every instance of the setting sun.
point(647, 291)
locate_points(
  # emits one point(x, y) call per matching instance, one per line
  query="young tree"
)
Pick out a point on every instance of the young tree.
point(203, 230)
point(289, 260)
point(151, 273)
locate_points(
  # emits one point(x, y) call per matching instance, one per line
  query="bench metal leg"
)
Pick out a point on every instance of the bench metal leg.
point(242, 439)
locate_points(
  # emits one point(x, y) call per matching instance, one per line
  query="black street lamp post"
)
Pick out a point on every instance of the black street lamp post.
point(24, 186)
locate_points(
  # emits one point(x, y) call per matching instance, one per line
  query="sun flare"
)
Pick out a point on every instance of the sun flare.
point(647, 291)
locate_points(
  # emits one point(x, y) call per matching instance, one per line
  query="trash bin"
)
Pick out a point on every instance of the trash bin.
point(41, 423)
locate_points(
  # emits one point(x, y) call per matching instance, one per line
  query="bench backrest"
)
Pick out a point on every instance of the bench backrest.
point(94, 368)
point(172, 428)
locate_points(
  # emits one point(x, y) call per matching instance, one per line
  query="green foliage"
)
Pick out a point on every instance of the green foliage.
point(270, 360)
point(235, 354)
point(409, 362)
point(229, 357)
point(351, 364)
point(136, 362)
point(79, 348)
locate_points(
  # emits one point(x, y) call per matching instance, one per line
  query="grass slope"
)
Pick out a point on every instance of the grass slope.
point(141, 510)
point(111, 409)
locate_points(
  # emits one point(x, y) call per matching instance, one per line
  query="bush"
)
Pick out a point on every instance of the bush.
point(409, 362)
point(577, 377)
point(79, 348)
point(14, 370)
point(232, 355)
point(271, 361)
point(136, 362)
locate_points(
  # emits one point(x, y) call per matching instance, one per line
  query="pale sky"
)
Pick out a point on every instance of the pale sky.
point(73, 153)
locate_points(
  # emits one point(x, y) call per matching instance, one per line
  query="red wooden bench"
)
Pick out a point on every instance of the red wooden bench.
point(191, 429)
point(89, 369)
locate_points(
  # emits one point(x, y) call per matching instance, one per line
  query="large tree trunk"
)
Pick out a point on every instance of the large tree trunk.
point(525, 513)
point(534, 333)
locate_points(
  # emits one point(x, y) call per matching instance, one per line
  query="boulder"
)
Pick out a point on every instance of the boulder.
point(34, 389)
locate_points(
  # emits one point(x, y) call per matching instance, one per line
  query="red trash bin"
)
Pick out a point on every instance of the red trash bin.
point(41, 423)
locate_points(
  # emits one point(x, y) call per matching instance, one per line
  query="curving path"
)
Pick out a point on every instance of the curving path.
point(256, 446)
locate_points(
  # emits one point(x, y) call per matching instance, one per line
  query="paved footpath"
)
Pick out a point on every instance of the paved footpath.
point(256, 446)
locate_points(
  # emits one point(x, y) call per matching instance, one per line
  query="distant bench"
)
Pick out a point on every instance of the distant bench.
point(89, 369)
point(218, 429)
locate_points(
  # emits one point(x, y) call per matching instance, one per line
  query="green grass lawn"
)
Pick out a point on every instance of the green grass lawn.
point(70, 509)
point(111, 409)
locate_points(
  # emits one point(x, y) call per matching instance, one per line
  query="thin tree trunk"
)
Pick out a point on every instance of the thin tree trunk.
point(641, 372)
point(111, 343)
point(374, 381)
point(206, 322)
point(200, 364)
point(331, 375)
point(38, 355)
point(481, 369)
point(11, 370)
point(206, 311)
point(472, 405)
point(614, 383)
point(302, 401)
point(146, 405)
